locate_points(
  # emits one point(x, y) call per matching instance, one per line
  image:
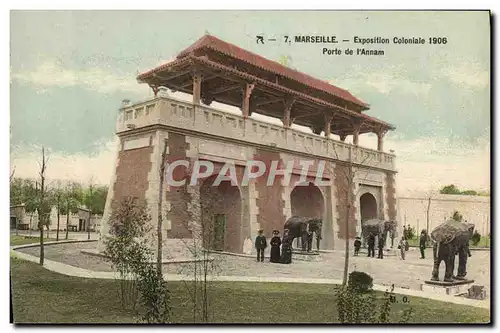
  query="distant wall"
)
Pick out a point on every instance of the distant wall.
point(474, 209)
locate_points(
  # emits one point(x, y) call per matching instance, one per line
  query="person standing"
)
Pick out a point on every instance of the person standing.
point(405, 232)
point(402, 247)
point(260, 245)
point(381, 244)
point(371, 245)
point(422, 243)
point(309, 241)
point(357, 245)
point(275, 247)
point(286, 249)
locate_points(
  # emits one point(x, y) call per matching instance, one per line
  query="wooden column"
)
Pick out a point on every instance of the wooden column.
point(355, 136)
point(253, 106)
point(380, 136)
point(247, 92)
point(155, 90)
point(328, 124)
point(197, 77)
point(288, 109)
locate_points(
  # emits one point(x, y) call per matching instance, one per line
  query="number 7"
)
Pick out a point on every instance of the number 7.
point(286, 39)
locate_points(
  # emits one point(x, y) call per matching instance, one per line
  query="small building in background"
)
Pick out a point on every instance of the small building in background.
point(76, 222)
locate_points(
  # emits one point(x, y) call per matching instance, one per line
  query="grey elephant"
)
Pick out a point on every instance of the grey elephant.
point(451, 238)
point(378, 228)
point(303, 227)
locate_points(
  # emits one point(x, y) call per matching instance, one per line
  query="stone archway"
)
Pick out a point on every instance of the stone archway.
point(221, 215)
point(307, 201)
point(368, 207)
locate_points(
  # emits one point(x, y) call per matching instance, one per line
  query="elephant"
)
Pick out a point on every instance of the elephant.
point(463, 254)
point(451, 238)
point(303, 227)
point(378, 228)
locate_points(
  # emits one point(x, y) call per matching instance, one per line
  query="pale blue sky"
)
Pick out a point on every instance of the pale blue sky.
point(70, 70)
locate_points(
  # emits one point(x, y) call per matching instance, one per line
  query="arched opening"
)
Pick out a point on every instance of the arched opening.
point(307, 201)
point(368, 207)
point(220, 215)
point(368, 210)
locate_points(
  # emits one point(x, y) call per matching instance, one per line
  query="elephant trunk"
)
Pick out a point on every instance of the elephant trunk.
point(436, 250)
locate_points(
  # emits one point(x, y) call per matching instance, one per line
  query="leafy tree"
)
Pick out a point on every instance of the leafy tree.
point(128, 223)
point(16, 191)
point(95, 197)
point(23, 191)
point(73, 196)
point(131, 257)
point(449, 189)
point(476, 238)
point(452, 189)
point(410, 232)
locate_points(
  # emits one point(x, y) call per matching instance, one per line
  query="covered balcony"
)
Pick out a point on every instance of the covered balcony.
point(212, 70)
point(206, 121)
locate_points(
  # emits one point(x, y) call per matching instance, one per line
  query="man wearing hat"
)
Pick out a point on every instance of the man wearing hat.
point(260, 245)
point(275, 247)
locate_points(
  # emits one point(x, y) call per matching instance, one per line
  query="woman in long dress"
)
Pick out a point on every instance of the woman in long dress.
point(275, 247)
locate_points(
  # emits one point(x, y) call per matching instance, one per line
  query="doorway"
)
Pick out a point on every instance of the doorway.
point(219, 231)
point(13, 222)
point(81, 225)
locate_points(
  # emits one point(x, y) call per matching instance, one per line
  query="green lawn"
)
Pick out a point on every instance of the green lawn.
point(21, 240)
point(483, 243)
point(42, 296)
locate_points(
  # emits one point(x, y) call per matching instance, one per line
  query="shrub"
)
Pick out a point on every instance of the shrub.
point(360, 281)
point(129, 254)
point(476, 238)
point(410, 232)
point(155, 296)
point(355, 307)
point(125, 249)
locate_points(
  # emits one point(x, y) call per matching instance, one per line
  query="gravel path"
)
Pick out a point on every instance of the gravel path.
point(409, 273)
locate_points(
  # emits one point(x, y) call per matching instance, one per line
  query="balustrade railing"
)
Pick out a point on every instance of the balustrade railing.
point(185, 115)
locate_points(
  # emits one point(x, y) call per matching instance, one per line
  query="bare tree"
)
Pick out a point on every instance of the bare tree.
point(41, 203)
point(428, 211)
point(91, 197)
point(89, 200)
point(430, 195)
point(58, 196)
point(347, 175)
point(202, 244)
point(159, 229)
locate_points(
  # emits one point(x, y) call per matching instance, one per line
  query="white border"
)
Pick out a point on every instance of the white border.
point(148, 4)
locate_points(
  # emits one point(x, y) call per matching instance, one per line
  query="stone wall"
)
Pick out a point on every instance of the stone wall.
point(258, 205)
point(344, 192)
point(474, 209)
point(269, 199)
